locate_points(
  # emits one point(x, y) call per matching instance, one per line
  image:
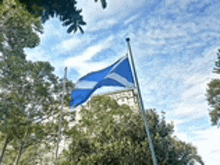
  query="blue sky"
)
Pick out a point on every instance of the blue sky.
point(174, 44)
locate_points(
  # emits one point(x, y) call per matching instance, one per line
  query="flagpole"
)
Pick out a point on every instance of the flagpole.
point(61, 114)
point(141, 105)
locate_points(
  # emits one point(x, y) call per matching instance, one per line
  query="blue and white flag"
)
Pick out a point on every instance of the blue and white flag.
point(118, 74)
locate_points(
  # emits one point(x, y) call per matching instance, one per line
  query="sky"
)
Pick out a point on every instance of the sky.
point(174, 44)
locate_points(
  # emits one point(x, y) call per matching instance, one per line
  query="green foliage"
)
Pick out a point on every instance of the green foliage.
point(27, 89)
point(65, 10)
point(31, 97)
point(29, 92)
point(112, 134)
point(26, 102)
point(213, 95)
point(18, 28)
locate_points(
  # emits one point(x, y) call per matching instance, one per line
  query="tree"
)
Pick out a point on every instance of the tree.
point(30, 103)
point(213, 95)
point(65, 10)
point(17, 31)
point(29, 91)
point(27, 103)
point(113, 134)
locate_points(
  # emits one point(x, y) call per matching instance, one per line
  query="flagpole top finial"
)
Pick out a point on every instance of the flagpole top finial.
point(128, 39)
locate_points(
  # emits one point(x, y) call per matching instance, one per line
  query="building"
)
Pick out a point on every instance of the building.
point(128, 97)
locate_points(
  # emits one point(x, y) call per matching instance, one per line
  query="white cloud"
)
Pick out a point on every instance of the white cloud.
point(74, 43)
point(207, 142)
point(184, 4)
point(194, 104)
point(131, 19)
point(82, 62)
point(36, 54)
point(69, 44)
point(182, 136)
point(177, 87)
point(116, 12)
point(189, 112)
point(53, 28)
point(169, 3)
point(104, 24)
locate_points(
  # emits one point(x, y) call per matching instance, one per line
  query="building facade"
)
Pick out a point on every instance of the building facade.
point(128, 97)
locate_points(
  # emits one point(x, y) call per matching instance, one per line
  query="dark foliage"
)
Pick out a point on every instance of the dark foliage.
point(66, 10)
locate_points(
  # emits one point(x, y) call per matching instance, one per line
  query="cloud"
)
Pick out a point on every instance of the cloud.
point(69, 44)
point(208, 146)
point(115, 13)
point(53, 29)
point(104, 24)
point(83, 64)
point(205, 139)
point(131, 19)
point(193, 100)
point(35, 54)
point(179, 85)
point(182, 136)
point(73, 43)
point(191, 6)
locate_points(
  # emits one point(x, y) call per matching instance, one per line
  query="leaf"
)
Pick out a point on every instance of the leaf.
point(81, 30)
point(72, 28)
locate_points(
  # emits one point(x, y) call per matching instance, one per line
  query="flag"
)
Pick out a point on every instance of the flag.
point(118, 74)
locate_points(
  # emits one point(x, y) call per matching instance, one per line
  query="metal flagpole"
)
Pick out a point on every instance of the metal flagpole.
point(61, 114)
point(141, 105)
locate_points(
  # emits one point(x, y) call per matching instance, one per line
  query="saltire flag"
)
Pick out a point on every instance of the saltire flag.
point(118, 74)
